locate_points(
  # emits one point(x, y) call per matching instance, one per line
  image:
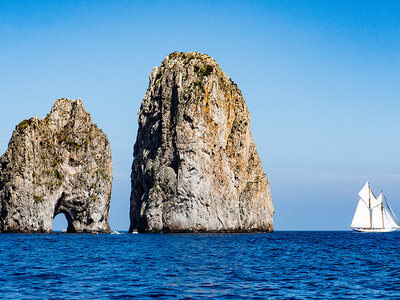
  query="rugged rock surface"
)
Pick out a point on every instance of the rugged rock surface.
point(196, 166)
point(59, 164)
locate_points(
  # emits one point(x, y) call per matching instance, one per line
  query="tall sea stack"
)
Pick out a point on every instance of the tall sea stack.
point(59, 164)
point(196, 167)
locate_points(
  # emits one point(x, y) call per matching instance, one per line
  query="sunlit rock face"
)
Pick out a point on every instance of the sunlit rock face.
point(196, 167)
point(59, 164)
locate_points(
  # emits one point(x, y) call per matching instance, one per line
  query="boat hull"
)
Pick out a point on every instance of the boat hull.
point(374, 229)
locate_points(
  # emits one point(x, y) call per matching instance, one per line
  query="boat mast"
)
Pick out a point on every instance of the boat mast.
point(383, 222)
point(369, 196)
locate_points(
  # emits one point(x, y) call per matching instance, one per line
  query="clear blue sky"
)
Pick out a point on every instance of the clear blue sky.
point(321, 80)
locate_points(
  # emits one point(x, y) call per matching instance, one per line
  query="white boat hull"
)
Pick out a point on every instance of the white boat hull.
point(374, 229)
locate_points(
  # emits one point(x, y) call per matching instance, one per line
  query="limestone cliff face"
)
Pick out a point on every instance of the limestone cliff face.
point(59, 164)
point(196, 166)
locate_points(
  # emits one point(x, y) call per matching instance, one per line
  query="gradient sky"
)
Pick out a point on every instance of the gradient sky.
point(321, 80)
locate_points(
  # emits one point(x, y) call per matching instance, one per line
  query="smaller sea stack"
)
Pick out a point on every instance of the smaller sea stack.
point(59, 164)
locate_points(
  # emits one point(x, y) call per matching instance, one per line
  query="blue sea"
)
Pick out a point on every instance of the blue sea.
point(279, 265)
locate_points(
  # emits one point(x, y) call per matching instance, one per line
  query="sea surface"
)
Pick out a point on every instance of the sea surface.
point(280, 265)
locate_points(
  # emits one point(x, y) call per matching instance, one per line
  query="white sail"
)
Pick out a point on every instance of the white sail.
point(377, 211)
point(374, 201)
point(364, 194)
point(368, 196)
point(391, 216)
point(361, 217)
point(377, 217)
point(387, 220)
point(391, 213)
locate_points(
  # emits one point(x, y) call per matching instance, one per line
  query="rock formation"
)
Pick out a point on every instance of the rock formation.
point(59, 164)
point(196, 167)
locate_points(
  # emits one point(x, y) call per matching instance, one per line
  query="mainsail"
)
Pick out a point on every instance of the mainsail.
point(361, 217)
point(378, 216)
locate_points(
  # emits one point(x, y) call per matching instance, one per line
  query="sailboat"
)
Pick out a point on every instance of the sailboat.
point(373, 214)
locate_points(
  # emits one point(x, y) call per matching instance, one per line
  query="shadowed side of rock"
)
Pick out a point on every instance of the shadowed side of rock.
point(196, 167)
point(59, 164)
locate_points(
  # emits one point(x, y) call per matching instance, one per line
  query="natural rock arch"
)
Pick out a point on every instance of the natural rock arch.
point(59, 164)
point(63, 215)
point(62, 208)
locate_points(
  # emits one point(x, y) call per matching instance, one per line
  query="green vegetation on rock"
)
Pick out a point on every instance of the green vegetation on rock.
point(203, 71)
point(24, 124)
